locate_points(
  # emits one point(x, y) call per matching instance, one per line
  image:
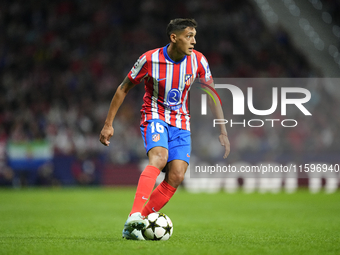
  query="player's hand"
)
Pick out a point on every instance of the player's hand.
point(106, 134)
point(225, 142)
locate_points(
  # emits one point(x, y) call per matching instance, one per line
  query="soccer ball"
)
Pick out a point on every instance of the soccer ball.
point(159, 227)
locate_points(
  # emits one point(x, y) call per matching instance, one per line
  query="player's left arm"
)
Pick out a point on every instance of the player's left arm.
point(217, 111)
point(214, 104)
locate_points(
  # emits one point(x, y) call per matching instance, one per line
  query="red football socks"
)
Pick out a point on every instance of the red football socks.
point(159, 197)
point(145, 186)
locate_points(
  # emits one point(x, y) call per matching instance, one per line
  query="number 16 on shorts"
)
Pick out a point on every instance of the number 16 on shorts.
point(158, 126)
point(154, 133)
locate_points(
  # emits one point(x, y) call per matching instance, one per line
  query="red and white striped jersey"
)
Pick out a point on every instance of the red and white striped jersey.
point(167, 84)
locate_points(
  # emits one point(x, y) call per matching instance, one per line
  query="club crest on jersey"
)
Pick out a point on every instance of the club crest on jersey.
point(188, 79)
point(156, 137)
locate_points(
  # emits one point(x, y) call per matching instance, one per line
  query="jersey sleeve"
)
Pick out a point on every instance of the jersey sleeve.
point(139, 71)
point(204, 71)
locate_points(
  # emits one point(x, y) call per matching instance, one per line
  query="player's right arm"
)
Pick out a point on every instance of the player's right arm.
point(116, 102)
point(138, 72)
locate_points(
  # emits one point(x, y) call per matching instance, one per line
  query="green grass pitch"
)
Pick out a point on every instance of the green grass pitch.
point(90, 221)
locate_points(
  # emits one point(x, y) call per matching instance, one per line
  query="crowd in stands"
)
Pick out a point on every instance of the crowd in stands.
point(62, 60)
point(333, 7)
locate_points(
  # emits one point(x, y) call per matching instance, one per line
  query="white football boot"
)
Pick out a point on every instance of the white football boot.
point(133, 226)
point(133, 235)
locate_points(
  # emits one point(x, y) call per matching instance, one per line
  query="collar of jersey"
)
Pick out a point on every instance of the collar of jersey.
point(165, 52)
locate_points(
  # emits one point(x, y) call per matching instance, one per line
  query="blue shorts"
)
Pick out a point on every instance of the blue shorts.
point(159, 133)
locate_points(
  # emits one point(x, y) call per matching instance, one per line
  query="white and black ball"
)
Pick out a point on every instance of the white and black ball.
point(159, 227)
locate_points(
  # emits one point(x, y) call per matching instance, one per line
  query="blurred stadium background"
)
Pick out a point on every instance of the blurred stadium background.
point(61, 62)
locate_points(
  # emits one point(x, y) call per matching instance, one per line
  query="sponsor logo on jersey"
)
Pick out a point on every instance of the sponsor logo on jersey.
point(175, 107)
point(174, 97)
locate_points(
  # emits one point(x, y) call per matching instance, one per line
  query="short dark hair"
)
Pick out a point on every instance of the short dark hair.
point(179, 25)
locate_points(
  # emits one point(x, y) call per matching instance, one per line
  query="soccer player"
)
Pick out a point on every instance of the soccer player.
point(168, 74)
